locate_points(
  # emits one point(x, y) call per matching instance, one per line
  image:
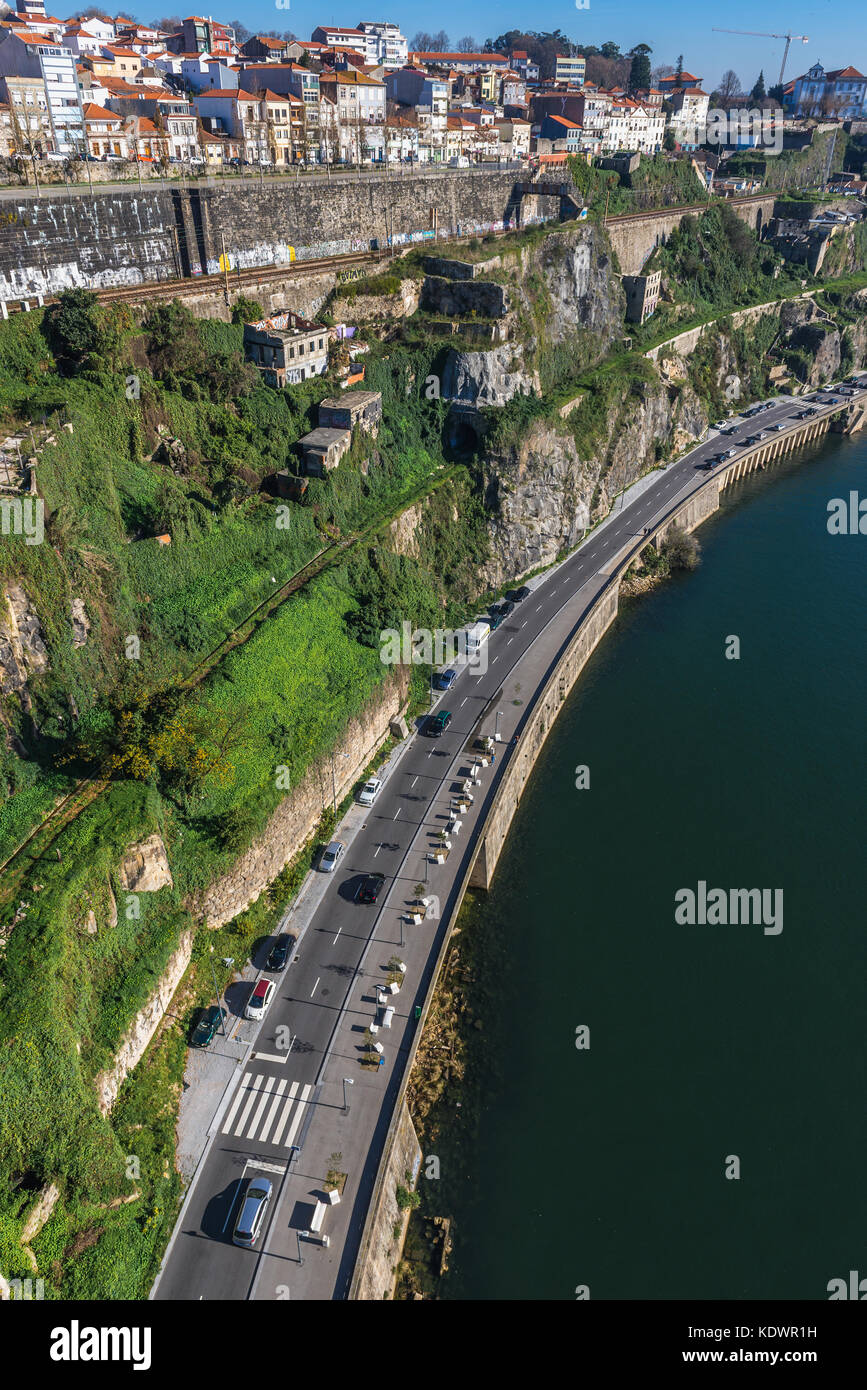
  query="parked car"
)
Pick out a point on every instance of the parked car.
point(438, 723)
point(518, 595)
point(252, 1214)
point(370, 791)
point(279, 954)
point(260, 1000)
point(210, 1021)
point(328, 862)
point(728, 453)
point(776, 428)
point(507, 608)
point(369, 888)
point(444, 680)
point(495, 619)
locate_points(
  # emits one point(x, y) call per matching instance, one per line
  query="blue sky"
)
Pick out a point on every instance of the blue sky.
point(836, 28)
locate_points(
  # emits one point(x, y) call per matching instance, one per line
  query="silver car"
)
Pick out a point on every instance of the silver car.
point(328, 862)
point(252, 1214)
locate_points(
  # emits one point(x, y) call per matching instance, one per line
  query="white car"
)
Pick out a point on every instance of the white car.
point(369, 792)
point(260, 999)
point(328, 862)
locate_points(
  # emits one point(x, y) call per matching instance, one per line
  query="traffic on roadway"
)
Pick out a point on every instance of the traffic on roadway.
point(326, 1045)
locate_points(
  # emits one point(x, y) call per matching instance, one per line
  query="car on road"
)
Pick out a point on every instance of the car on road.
point(811, 410)
point(278, 954)
point(328, 862)
point(729, 453)
point(260, 1000)
point(370, 791)
point(753, 439)
point(444, 680)
point(369, 888)
point(732, 429)
point(438, 723)
point(709, 462)
point(210, 1021)
point(495, 619)
point(252, 1214)
point(720, 425)
point(776, 428)
point(518, 595)
point(507, 608)
point(833, 400)
point(801, 414)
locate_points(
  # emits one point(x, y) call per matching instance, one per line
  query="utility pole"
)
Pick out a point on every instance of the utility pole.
point(225, 266)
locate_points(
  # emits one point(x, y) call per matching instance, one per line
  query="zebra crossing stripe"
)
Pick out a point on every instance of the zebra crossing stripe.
point(299, 1113)
point(251, 1132)
point(275, 1105)
point(281, 1125)
point(245, 1113)
point(236, 1102)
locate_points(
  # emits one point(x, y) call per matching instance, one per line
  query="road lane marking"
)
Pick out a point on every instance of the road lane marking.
point(278, 1168)
point(313, 990)
point(257, 1118)
point(249, 1106)
point(463, 702)
point(236, 1102)
point(339, 930)
point(275, 1106)
point(285, 1115)
point(413, 782)
point(396, 814)
point(271, 1057)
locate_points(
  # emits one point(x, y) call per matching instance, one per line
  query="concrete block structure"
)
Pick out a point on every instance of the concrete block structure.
point(323, 448)
point(351, 408)
point(642, 295)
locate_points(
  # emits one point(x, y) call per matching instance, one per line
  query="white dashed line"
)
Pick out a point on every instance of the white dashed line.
point(316, 986)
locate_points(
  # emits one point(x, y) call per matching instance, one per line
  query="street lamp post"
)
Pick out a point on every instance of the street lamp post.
point(497, 727)
point(347, 1081)
point(299, 1234)
point(334, 783)
point(217, 992)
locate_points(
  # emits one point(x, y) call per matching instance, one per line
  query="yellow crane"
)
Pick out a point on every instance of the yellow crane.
point(756, 34)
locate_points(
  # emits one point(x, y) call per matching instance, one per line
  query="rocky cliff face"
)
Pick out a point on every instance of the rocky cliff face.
point(810, 331)
point(543, 493)
point(488, 378)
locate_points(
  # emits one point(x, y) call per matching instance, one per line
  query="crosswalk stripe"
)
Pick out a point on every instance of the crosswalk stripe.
point(251, 1132)
point(236, 1102)
point(249, 1106)
point(285, 1115)
point(293, 1128)
point(275, 1105)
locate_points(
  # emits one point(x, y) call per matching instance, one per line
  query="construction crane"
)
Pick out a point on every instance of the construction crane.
point(755, 34)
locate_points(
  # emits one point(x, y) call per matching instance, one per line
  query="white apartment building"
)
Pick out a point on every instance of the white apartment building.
point(689, 120)
point(25, 54)
point(391, 46)
point(333, 36)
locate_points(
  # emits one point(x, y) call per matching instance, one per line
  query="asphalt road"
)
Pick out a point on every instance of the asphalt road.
point(283, 1115)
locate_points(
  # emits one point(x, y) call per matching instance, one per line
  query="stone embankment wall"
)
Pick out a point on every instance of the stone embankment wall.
point(634, 241)
point(55, 242)
point(400, 1166)
point(298, 813)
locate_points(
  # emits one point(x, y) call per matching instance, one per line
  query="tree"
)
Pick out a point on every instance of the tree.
point(242, 33)
point(440, 42)
point(173, 339)
point(639, 73)
point(758, 93)
point(730, 85)
point(678, 71)
point(73, 325)
point(421, 42)
point(610, 50)
point(467, 45)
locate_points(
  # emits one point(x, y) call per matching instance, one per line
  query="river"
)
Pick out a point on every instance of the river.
point(712, 1048)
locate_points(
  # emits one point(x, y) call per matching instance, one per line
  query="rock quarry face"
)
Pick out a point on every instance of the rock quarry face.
point(22, 648)
point(543, 495)
point(575, 266)
point(487, 378)
point(145, 867)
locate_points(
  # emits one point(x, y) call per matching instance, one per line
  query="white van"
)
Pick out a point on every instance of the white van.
point(387, 1016)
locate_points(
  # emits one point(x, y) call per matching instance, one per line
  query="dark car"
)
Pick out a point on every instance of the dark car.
point(438, 723)
point(210, 1021)
point(495, 619)
point(279, 954)
point(369, 888)
point(507, 608)
point(444, 680)
point(518, 595)
point(732, 429)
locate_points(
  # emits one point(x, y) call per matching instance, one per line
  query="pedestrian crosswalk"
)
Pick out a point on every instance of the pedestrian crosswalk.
point(267, 1110)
